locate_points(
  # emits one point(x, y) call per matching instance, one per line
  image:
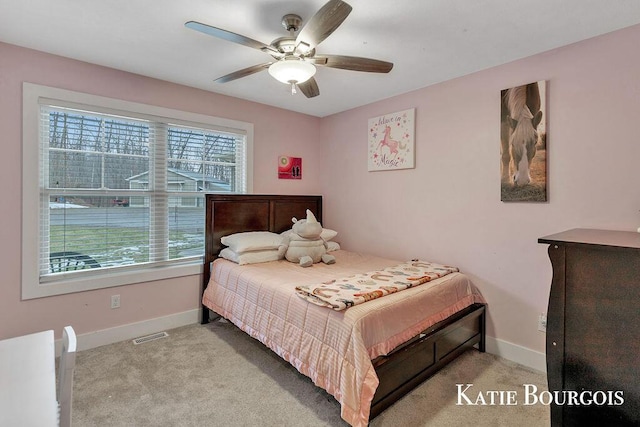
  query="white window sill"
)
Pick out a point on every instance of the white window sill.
point(108, 279)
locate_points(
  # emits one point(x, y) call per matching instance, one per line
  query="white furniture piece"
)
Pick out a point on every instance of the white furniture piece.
point(28, 381)
point(65, 375)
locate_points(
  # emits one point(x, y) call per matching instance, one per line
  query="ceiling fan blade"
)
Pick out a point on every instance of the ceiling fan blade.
point(354, 63)
point(309, 88)
point(232, 37)
point(322, 24)
point(317, 60)
point(243, 73)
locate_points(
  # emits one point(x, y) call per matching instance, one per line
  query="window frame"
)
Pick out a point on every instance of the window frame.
point(33, 96)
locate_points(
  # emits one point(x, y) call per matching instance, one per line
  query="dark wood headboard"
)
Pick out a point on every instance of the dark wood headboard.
point(234, 213)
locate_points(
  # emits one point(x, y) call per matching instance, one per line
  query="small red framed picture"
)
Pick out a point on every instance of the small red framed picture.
point(289, 167)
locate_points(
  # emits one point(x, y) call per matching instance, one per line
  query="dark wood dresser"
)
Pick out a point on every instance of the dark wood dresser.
point(593, 327)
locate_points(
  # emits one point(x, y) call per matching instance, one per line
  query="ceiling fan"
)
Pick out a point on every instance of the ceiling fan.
point(295, 56)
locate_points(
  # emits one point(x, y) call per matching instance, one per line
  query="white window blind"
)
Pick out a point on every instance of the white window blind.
point(122, 192)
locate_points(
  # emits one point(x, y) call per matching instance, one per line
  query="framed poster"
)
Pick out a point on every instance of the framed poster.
point(523, 143)
point(391, 141)
point(289, 167)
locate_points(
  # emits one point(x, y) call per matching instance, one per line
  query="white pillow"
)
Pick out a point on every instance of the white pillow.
point(252, 241)
point(328, 234)
point(253, 257)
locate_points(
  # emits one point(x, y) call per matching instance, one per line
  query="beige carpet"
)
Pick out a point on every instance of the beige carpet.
point(215, 375)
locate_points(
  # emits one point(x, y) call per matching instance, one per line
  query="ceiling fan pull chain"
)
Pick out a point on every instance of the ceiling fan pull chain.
point(293, 88)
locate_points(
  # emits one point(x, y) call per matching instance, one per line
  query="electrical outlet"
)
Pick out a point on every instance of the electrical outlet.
point(115, 301)
point(542, 322)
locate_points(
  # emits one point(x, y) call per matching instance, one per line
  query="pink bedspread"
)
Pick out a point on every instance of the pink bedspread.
point(333, 348)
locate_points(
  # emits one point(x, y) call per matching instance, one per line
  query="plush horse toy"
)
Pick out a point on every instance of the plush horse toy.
point(304, 244)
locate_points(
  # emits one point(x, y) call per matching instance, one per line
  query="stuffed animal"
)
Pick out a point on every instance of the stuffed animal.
point(304, 244)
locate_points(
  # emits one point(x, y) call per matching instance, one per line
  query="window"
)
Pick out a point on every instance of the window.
point(118, 197)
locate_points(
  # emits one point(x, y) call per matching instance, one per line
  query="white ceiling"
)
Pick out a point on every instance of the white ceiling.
point(429, 41)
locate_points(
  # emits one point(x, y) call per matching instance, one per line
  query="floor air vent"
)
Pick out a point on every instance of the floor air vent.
point(151, 337)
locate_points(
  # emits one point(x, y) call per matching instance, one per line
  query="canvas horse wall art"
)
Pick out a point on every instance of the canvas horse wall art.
point(520, 117)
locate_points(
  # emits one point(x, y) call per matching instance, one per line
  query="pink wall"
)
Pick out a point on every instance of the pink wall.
point(448, 208)
point(276, 132)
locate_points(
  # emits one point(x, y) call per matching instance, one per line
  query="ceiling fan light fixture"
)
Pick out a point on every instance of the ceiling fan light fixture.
point(292, 70)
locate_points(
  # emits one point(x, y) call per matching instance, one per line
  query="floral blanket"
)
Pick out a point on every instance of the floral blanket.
point(356, 289)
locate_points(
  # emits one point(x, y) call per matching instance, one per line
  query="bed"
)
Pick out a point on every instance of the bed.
point(374, 371)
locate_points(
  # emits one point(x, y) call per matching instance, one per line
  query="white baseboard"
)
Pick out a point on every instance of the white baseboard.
point(133, 330)
point(516, 353)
